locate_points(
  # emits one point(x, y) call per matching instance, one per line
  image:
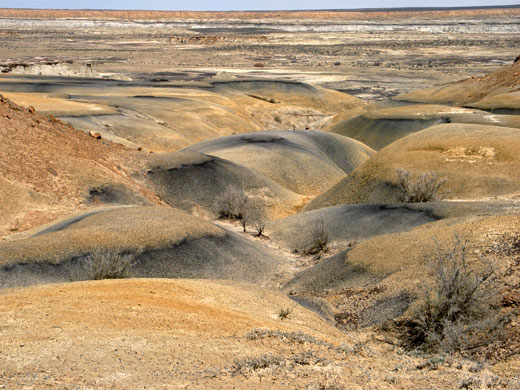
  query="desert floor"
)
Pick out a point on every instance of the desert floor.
point(216, 200)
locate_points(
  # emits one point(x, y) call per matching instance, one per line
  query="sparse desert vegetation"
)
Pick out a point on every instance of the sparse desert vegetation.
point(267, 200)
point(100, 265)
point(461, 310)
point(423, 187)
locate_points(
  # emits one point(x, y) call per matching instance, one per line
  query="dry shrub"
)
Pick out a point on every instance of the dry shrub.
point(284, 313)
point(232, 202)
point(319, 234)
point(259, 226)
point(424, 187)
point(461, 312)
point(107, 265)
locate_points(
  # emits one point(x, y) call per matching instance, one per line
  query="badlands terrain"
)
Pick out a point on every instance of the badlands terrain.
point(250, 174)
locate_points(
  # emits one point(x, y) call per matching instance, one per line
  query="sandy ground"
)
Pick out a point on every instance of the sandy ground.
point(159, 82)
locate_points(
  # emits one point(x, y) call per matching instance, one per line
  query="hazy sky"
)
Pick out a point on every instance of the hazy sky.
point(222, 5)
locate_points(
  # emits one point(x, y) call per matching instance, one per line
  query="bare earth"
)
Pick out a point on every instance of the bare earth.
point(122, 130)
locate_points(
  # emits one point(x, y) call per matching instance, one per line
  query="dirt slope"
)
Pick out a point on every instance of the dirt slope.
point(379, 127)
point(305, 162)
point(165, 242)
point(172, 334)
point(478, 162)
point(194, 182)
point(55, 169)
point(168, 117)
point(504, 80)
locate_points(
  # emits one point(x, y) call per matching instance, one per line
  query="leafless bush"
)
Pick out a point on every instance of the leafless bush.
point(319, 234)
point(232, 202)
point(107, 265)
point(259, 225)
point(424, 187)
point(460, 313)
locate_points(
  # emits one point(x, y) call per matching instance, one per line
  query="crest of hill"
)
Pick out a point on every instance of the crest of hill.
point(502, 81)
point(304, 162)
point(164, 241)
point(289, 93)
point(193, 182)
point(379, 127)
point(477, 161)
point(56, 169)
point(166, 118)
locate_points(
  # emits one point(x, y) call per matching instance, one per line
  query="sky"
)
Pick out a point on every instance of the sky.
point(243, 5)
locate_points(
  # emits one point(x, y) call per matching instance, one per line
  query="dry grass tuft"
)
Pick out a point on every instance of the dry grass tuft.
point(424, 187)
point(107, 265)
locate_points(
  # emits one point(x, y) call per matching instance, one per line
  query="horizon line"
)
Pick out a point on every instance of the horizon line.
point(382, 9)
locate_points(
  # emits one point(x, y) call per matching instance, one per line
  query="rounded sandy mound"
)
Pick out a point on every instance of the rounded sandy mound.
point(194, 182)
point(506, 103)
point(379, 278)
point(54, 169)
point(305, 162)
point(503, 80)
point(345, 224)
point(477, 161)
point(379, 127)
point(137, 332)
point(163, 242)
point(289, 93)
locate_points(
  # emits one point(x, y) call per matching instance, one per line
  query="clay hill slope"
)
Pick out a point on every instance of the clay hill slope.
point(379, 127)
point(162, 241)
point(385, 276)
point(477, 161)
point(506, 103)
point(285, 104)
point(502, 81)
point(48, 169)
point(349, 224)
point(168, 117)
point(196, 334)
point(305, 162)
point(194, 182)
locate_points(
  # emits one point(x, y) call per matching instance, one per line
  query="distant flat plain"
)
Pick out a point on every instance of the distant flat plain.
point(372, 55)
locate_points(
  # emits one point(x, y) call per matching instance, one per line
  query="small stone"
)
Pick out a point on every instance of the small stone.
point(95, 134)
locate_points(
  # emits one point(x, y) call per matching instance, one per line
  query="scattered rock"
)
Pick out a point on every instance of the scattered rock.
point(95, 134)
